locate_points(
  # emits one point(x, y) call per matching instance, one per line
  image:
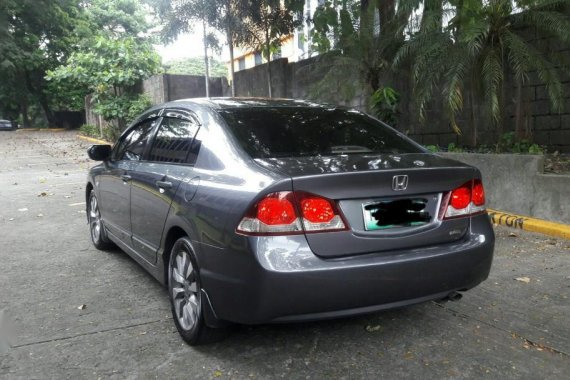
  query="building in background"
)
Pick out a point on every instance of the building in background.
point(294, 47)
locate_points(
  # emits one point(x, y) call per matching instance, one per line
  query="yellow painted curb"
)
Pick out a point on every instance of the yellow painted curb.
point(530, 224)
point(93, 140)
point(40, 130)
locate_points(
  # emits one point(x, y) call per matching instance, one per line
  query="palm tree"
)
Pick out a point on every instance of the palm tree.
point(473, 54)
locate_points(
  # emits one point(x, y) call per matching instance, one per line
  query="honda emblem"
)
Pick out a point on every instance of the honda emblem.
point(399, 182)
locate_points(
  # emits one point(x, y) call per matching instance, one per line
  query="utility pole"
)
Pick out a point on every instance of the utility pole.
point(206, 60)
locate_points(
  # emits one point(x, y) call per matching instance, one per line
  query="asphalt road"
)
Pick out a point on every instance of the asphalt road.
point(81, 313)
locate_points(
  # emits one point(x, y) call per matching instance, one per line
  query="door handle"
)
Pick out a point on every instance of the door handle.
point(126, 177)
point(164, 184)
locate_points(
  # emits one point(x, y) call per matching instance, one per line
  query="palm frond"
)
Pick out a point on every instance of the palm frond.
point(552, 23)
point(492, 72)
point(524, 57)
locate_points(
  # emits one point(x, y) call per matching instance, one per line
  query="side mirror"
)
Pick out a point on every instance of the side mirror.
point(99, 152)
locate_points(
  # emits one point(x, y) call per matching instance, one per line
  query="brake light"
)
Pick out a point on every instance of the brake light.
point(461, 196)
point(276, 211)
point(478, 196)
point(288, 213)
point(467, 199)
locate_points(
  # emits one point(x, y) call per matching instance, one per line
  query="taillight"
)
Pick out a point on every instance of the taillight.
point(318, 213)
point(288, 213)
point(467, 199)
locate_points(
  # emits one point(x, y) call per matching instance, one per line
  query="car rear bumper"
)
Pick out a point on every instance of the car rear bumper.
point(287, 282)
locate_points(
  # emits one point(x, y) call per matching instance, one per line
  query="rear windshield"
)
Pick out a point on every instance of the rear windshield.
point(292, 132)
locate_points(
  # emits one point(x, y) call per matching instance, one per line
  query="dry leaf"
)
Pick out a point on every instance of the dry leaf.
point(512, 234)
point(526, 280)
point(370, 328)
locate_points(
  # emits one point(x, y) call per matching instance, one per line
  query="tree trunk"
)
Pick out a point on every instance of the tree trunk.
point(206, 60)
point(24, 112)
point(232, 70)
point(47, 110)
point(268, 52)
point(518, 112)
point(387, 11)
point(41, 97)
point(474, 131)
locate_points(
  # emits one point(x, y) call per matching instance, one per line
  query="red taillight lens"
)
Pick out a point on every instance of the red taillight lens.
point(274, 211)
point(277, 214)
point(317, 210)
point(478, 196)
point(467, 199)
point(461, 197)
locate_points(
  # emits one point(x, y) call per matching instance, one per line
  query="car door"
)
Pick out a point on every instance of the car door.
point(156, 179)
point(115, 183)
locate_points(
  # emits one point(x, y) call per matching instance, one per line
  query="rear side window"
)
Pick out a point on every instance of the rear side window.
point(131, 147)
point(266, 132)
point(174, 141)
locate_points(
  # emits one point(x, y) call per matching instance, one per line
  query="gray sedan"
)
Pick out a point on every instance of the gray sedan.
point(265, 211)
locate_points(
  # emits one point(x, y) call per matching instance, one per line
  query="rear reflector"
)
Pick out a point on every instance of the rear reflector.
point(288, 213)
point(467, 199)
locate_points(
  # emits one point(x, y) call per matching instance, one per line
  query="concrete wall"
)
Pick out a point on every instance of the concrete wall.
point(290, 80)
point(166, 87)
point(253, 82)
point(516, 183)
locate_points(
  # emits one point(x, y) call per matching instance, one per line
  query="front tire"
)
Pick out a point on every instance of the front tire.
point(96, 227)
point(185, 293)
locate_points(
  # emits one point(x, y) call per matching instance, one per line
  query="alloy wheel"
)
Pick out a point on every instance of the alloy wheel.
point(94, 219)
point(184, 288)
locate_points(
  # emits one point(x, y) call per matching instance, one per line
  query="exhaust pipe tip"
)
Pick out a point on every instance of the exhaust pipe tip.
point(453, 296)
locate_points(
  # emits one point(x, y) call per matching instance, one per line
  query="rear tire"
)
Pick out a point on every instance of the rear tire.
point(96, 227)
point(186, 298)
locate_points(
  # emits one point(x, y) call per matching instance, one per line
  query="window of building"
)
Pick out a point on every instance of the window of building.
point(258, 58)
point(241, 63)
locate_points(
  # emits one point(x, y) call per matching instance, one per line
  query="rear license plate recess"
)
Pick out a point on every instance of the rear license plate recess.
point(395, 213)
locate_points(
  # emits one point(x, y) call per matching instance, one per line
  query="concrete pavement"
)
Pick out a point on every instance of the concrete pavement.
point(82, 313)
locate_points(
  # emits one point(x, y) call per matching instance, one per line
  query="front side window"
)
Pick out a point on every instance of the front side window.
point(131, 147)
point(174, 141)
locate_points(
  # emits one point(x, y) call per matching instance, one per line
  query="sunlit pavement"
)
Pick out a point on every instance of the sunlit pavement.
point(82, 313)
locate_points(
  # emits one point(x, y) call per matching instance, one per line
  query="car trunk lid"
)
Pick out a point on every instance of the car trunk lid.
point(390, 202)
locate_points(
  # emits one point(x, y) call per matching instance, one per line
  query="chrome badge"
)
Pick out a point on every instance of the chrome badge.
point(399, 182)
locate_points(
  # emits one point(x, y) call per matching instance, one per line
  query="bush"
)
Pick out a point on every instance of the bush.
point(89, 130)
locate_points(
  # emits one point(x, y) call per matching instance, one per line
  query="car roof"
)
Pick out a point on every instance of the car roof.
point(232, 103)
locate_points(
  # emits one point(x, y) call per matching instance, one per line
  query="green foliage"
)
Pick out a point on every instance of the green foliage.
point(453, 148)
point(509, 144)
point(37, 36)
point(89, 130)
point(109, 69)
point(470, 55)
point(34, 37)
point(363, 50)
point(384, 103)
point(195, 66)
point(432, 148)
point(117, 18)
